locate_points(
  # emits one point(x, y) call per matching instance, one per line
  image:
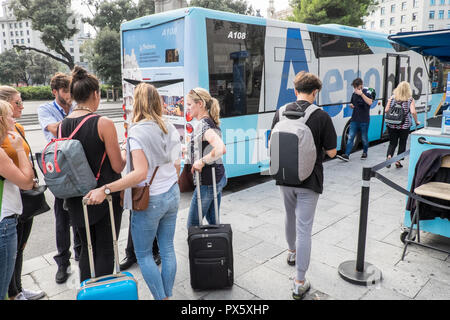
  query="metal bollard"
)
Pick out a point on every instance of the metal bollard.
point(360, 272)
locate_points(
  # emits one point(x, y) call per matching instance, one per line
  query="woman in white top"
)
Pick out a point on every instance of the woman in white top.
point(11, 179)
point(153, 144)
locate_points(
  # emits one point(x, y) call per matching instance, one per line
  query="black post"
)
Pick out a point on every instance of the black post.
point(360, 272)
point(364, 212)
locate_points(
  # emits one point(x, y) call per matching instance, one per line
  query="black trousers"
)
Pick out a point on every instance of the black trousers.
point(23, 233)
point(397, 137)
point(62, 222)
point(129, 250)
point(102, 244)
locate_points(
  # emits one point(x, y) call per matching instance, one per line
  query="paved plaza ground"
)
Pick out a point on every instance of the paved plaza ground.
point(261, 272)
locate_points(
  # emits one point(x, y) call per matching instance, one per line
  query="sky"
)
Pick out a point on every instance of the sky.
point(257, 4)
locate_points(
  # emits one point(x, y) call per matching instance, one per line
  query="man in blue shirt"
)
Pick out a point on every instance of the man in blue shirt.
point(50, 116)
point(360, 103)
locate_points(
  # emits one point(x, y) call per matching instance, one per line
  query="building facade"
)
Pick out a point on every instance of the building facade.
point(14, 32)
point(166, 5)
point(393, 16)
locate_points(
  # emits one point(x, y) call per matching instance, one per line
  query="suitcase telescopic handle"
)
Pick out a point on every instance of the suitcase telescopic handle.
point(89, 241)
point(199, 200)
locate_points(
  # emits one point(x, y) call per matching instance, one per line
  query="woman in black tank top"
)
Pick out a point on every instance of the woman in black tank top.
point(97, 136)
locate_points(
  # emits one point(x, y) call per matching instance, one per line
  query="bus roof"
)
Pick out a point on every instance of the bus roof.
point(372, 37)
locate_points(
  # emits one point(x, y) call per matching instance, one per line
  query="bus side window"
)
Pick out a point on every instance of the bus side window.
point(235, 61)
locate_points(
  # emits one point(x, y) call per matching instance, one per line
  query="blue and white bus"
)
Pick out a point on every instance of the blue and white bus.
point(249, 64)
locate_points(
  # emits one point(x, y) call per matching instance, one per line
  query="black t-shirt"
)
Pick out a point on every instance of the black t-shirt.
point(325, 138)
point(361, 112)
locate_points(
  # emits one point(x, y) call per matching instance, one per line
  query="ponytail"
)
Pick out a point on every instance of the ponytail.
point(211, 104)
point(214, 110)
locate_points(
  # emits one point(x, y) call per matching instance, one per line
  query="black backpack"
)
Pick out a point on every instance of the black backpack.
point(396, 115)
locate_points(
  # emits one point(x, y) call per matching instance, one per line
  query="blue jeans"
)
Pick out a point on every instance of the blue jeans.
point(8, 251)
point(158, 221)
point(354, 128)
point(207, 198)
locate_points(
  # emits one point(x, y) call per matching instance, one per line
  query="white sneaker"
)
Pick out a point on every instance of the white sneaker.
point(32, 295)
point(291, 258)
point(20, 296)
point(299, 290)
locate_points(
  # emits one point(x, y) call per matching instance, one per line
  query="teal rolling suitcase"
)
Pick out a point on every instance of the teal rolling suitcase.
point(117, 286)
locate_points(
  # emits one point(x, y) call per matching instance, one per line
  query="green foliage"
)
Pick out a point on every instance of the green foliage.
point(45, 92)
point(110, 14)
point(344, 12)
point(106, 62)
point(25, 67)
point(103, 54)
point(36, 93)
point(54, 19)
point(236, 6)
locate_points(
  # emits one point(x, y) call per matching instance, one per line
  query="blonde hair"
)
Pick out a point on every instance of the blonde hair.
point(211, 104)
point(147, 105)
point(403, 91)
point(7, 93)
point(5, 106)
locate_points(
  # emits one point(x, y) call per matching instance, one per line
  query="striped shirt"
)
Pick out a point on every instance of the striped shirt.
point(406, 111)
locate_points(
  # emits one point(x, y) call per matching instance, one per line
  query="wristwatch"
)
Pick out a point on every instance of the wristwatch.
point(107, 190)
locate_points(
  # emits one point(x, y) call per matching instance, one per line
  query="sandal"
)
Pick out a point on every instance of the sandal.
point(398, 165)
point(388, 158)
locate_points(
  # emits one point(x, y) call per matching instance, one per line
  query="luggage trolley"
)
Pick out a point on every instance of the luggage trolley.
point(422, 140)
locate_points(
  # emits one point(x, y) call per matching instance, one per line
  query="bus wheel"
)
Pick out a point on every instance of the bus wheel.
point(345, 137)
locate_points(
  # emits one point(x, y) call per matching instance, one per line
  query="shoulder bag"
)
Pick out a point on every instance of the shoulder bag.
point(33, 201)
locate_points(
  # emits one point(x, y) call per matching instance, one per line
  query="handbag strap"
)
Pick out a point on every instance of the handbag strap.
point(32, 161)
point(153, 176)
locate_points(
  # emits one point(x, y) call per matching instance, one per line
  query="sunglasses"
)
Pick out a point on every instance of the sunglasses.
point(193, 91)
point(19, 103)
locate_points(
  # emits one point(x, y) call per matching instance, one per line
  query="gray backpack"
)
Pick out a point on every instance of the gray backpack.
point(292, 148)
point(65, 167)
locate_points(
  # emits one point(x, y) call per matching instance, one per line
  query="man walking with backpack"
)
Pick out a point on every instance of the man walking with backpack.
point(301, 181)
point(360, 103)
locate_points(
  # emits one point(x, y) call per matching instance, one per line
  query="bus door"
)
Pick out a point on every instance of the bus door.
point(396, 69)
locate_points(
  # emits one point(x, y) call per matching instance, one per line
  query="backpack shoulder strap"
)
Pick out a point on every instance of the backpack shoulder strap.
point(280, 112)
point(309, 111)
point(80, 124)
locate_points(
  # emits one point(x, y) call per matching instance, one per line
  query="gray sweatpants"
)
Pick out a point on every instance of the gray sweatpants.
point(300, 205)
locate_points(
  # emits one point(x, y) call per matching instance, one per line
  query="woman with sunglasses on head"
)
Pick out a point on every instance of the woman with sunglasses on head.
point(12, 177)
point(206, 151)
point(16, 292)
point(154, 145)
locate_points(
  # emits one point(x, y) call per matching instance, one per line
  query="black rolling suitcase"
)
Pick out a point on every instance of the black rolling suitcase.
point(210, 250)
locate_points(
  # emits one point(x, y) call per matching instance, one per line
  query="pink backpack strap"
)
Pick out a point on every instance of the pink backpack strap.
point(70, 137)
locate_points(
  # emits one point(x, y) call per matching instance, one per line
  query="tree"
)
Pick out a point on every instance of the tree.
point(42, 68)
point(111, 14)
point(236, 6)
point(106, 62)
point(103, 53)
point(54, 19)
point(344, 12)
point(27, 67)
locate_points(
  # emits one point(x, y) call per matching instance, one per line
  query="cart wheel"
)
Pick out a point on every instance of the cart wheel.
point(404, 235)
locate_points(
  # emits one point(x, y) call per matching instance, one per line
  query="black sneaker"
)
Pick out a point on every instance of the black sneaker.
point(127, 263)
point(343, 157)
point(157, 259)
point(62, 274)
point(364, 156)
